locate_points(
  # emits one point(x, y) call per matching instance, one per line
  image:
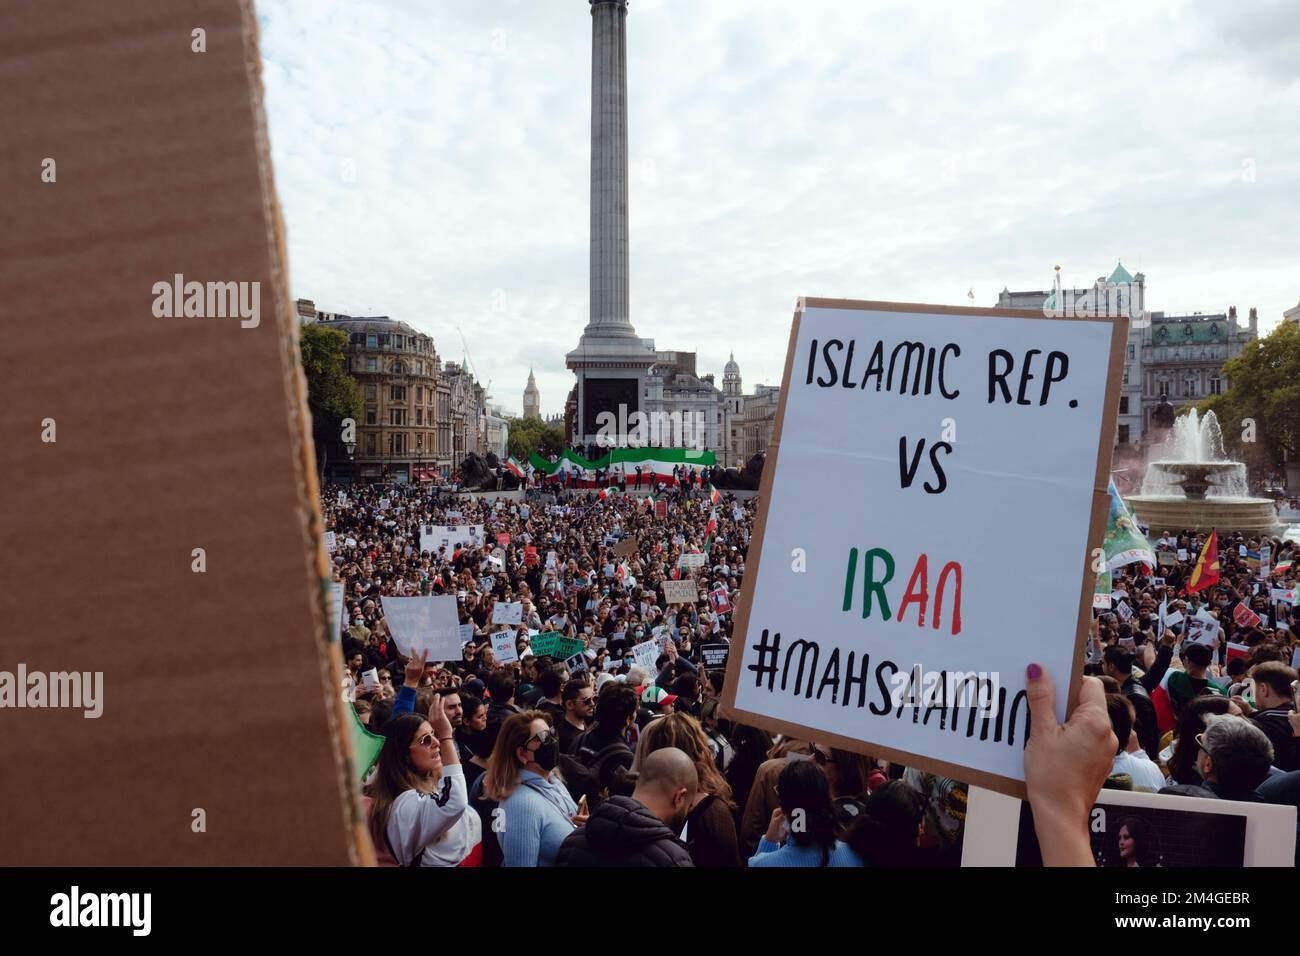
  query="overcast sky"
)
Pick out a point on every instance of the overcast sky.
point(432, 159)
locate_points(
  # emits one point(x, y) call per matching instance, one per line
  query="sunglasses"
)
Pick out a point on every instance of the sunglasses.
point(425, 740)
point(542, 737)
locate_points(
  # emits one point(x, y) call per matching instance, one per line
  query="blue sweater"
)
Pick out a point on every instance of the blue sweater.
point(535, 824)
point(771, 854)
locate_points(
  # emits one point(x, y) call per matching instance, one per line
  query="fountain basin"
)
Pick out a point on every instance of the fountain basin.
point(1160, 513)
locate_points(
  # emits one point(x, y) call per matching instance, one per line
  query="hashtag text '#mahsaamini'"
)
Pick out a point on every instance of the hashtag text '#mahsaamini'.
point(825, 677)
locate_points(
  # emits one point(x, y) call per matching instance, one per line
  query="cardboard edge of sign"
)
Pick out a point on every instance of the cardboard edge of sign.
point(338, 712)
point(1096, 533)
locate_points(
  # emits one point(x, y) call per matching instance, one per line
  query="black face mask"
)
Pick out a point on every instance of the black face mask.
point(547, 755)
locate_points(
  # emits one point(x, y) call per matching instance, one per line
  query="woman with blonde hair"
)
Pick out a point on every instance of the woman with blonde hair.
point(710, 829)
point(536, 808)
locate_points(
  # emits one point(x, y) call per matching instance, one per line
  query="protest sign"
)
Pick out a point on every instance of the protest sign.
point(383, 504)
point(329, 541)
point(1235, 651)
point(576, 662)
point(645, 654)
point(720, 601)
point(1180, 831)
point(627, 547)
point(714, 655)
point(451, 537)
point(690, 561)
point(680, 592)
point(503, 539)
point(1201, 631)
point(508, 613)
point(466, 633)
point(1167, 559)
point(341, 498)
point(424, 623)
point(503, 647)
point(554, 644)
point(552, 559)
point(1173, 619)
point(1245, 617)
point(336, 610)
point(907, 575)
point(530, 555)
point(1124, 611)
point(1182, 554)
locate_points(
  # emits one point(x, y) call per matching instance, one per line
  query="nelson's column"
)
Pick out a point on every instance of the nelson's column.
point(610, 361)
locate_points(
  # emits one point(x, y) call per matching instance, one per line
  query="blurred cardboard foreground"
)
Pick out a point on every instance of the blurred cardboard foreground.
point(139, 425)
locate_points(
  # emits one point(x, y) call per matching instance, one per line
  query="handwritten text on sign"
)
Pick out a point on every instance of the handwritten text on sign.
point(959, 445)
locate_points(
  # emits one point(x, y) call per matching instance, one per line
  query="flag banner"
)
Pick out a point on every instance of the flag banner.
point(514, 467)
point(365, 746)
point(1206, 571)
point(1101, 598)
point(1124, 542)
point(656, 464)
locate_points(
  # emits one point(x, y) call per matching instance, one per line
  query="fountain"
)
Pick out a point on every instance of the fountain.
point(1196, 488)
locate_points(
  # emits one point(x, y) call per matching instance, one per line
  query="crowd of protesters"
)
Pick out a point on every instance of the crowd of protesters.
point(597, 761)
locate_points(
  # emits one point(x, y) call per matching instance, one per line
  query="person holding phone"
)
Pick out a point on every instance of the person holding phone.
point(535, 806)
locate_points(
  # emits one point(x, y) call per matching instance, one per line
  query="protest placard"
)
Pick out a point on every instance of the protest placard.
point(720, 601)
point(383, 504)
point(1124, 611)
point(337, 624)
point(556, 645)
point(685, 591)
point(645, 654)
point(1243, 616)
point(692, 561)
point(508, 613)
point(1173, 619)
point(1235, 651)
point(466, 632)
point(329, 541)
point(424, 623)
point(503, 647)
point(1167, 559)
point(907, 575)
point(552, 560)
point(714, 655)
point(341, 498)
point(1179, 831)
point(530, 555)
point(451, 537)
point(627, 547)
point(576, 662)
point(1182, 554)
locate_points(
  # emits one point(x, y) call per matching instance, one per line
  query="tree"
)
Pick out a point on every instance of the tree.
point(532, 434)
point(332, 394)
point(1260, 412)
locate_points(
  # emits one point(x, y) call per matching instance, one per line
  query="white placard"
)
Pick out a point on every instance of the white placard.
point(330, 544)
point(451, 537)
point(424, 623)
point(503, 647)
point(1182, 554)
point(993, 824)
point(466, 633)
point(370, 678)
point(685, 591)
point(691, 561)
point(1173, 619)
point(645, 654)
point(336, 609)
point(383, 504)
point(959, 434)
point(508, 613)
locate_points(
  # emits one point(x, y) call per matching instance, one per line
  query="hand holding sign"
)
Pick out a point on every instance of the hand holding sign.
point(1065, 766)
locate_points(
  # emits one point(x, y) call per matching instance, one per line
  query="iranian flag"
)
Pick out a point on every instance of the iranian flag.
point(709, 531)
point(713, 495)
point(514, 467)
point(656, 464)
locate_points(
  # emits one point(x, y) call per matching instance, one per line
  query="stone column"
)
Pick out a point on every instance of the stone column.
point(609, 228)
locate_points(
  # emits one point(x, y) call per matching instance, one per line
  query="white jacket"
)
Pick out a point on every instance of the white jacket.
point(441, 823)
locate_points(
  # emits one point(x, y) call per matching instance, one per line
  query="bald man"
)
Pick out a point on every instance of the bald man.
point(640, 830)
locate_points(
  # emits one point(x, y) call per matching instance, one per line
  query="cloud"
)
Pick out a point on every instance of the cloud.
point(433, 162)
